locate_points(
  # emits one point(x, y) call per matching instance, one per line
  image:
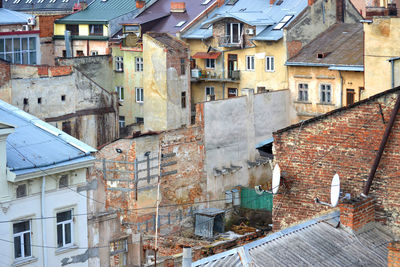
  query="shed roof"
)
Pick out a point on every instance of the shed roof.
point(313, 243)
point(36, 145)
point(8, 17)
point(341, 44)
point(36, 5)
point(258, 13)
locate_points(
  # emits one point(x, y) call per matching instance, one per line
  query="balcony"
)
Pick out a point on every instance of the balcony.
point(229, 41)
point(210, 76)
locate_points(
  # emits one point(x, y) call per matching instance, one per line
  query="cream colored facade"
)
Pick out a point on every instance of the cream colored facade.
point(382, 38)
point(344, 86)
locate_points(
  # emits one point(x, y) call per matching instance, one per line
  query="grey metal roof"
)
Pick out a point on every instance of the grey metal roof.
point(39, 5)
point(256, 12)
point(36, 145)
point(8, 17)
point(313, 243)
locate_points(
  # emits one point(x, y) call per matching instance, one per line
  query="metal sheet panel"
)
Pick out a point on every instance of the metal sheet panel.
point(204, 226)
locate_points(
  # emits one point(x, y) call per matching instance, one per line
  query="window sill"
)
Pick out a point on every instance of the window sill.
point(269, 71)
point(139, 102)
point(326, 104)
point(24, 261)
point(119, 71)
point(251, 70)
point(65, 249)
point(302, 102)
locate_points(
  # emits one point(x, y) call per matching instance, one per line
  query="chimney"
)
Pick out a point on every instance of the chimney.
point(178, 7)
point(311, 2)
point(271, 2)
point(220, 3)
point(340, 10)
point(357, 212)
point(140, 4)
point(394, 254)
point(187, 257)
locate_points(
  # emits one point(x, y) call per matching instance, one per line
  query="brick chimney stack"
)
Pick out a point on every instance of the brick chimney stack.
point(311, 2)
point(271, 2)
point(357, 212)
point(179, 7)
point(394, 254)
point(340, 10)
point(220, 3)
point(140, 4)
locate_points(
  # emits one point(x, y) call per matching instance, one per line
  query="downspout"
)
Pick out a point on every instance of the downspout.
point(44, 244)
point(341, 89)
point(392, 63)
point(223, 74)
point(382, 146)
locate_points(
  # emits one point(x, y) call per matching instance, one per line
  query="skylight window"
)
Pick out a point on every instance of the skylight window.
point(283, 22)
point(206, 2)
point(180, 23)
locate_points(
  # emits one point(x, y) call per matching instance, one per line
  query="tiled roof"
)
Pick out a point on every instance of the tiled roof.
point(39, 5)
point(168, 21)
point(256, 12)
point(341, 44)
point(317, 242)
point(8, 17)
point(36, 145)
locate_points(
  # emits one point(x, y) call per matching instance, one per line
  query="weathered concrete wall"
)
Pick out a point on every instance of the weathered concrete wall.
point(98, 68)
point(232, 128)
point(314, 20)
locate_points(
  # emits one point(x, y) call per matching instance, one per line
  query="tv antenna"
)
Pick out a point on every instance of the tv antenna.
point(335, 192)
point(276, 180)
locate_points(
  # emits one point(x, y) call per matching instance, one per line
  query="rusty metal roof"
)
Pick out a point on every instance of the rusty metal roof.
point(168, 40)
point(340, 45)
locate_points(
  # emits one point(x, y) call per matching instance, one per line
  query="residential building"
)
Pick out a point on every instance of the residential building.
point(43, 192)
point(163, 16)
point(92, 26)
point(328, 73)
point(19, 42)
point(65, 97)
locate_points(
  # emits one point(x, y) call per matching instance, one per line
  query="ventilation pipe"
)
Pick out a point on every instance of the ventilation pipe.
point(187, 257)
point(68, 49)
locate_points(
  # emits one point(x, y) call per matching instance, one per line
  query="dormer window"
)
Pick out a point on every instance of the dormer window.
point(234, 32)
point(283, 22)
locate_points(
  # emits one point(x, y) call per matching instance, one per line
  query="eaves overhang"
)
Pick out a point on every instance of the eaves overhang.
point(329, 66)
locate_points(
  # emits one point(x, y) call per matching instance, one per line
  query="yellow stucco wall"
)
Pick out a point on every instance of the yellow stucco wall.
point(382, 39)
point(59, 29)
point(83, 29)
point(314, 77)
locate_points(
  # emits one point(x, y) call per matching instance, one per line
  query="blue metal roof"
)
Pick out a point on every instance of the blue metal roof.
point(255, 13)
point(265, 142)
point(36, 145)
point(8, 17)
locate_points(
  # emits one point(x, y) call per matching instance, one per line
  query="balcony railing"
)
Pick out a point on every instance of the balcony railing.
point(197, 75)
point(226, 41)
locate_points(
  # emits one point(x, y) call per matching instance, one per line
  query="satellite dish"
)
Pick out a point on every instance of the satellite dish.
point(335, 190)
point(258, 190)
point(276, 179)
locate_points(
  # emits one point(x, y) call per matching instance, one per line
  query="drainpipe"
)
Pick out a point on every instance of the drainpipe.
point(187, 257)
point(341, 88)
point(223, 74)
point(392, 60)
point(382, 146)
point(43, 222)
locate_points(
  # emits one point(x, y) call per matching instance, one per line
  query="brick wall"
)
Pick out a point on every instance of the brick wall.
point(343, 142)
point(357, 212)
point(5, 75)
point(394, 254)
point(46, 24)
point(293, 48)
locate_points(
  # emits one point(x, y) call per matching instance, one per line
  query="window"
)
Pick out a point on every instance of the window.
point(269, 64)
point(22, 240)
point(118, 253)
point(119, 64)
point(139, 120)
point(183, 66)
point(39, 100)
point(65, 229)
point(63, 182)
point(19, 50)
point(180, 23)
point(120, 92)
point(249, 62)
point(94, 53)
point(210, 93)
point(139, 95)
point(350, 96)
point(73, 28)
point(233, 33)
point(303, 92)
point(232, 92)
point(325, 90)
point(261, 89)
point(210, 63)
point(139, 63)
point(283, 22)
point(21, 191)
point(63, 98)
point(26, 101)
point(183, 99)
point(96, 29)
point(66, 127)
point(121, 121)
point(79, 53)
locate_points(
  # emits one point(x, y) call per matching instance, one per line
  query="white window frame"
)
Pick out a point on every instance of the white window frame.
point(325, 93)
point(250, 63)
point(120, 92)
point(138, 64)
point(269, 63)
point(63, 224)
point(210, 63)
point(119, 64)
point(121, 121)
point(231, 33)
point(21, 236)
point(18, 54)
point(139, 95)
point(302, 90)
point(114, 250)
point(210, 90)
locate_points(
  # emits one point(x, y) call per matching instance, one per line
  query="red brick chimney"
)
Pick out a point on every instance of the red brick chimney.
point(140, 4)
point(394, 254)
point(271, 2)
point(220, 3)
point(340, 10)
point(178, 7)
point(311, 2)
point(357, 212)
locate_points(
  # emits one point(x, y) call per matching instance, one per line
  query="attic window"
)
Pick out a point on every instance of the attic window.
point(283, 22)
point(206, 2)
point(322, 55)
point(180, 23)
point(21, 190)
point(279, 2)
point(231, 2)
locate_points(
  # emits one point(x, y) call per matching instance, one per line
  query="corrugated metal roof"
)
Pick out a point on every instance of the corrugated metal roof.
point(8, 17)
point(313, 243)
point(36, 5)
point(102, 11)
point(255, 12)
point(341, 44)
point(36, 145)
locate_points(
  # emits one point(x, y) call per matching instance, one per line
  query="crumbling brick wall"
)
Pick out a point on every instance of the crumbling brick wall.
point(5, 74)
point(46, 23)
point(344, 142)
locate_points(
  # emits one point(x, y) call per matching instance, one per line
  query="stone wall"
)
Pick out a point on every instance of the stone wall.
point(5, 81)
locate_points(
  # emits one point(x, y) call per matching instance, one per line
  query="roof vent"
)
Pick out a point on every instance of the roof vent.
point(140, 4)
point(323, 55)
point(178, 7)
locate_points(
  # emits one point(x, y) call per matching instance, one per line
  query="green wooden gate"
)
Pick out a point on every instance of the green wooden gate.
point(251, 200)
